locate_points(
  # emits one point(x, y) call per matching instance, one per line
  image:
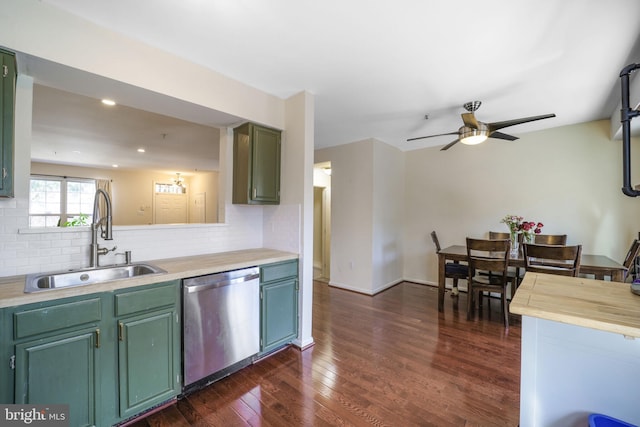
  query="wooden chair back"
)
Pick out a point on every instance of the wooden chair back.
point(498, 235)
point(488, 256)
point(452, 270)
point(550, 239)
point(552, 259)
point(436, 242)
point(632, 254)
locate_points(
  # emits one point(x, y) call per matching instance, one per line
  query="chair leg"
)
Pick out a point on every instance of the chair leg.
point(469, 302)
point(454, 289)
point(505, 310)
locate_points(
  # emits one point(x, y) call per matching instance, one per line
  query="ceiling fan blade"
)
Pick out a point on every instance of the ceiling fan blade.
point(431, 136)
point(470, 120)
point(499, 125)
point(449, 145)
point(500, 135)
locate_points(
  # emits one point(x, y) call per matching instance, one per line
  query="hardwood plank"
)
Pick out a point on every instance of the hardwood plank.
point(387, 360)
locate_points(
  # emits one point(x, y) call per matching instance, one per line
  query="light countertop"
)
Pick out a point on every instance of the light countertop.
point(12, 287)
point(596, 304)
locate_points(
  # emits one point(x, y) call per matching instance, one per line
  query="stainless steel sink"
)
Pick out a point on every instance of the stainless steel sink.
point(64, 279)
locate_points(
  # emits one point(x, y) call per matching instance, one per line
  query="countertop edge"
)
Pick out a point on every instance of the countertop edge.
point(523, 304)
point(12, 288)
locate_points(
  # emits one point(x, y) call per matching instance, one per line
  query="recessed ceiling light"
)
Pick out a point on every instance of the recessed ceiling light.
point(114, 166)
point(109, 102)
point(141, 150)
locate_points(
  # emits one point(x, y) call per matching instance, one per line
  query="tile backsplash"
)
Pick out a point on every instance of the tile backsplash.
point(24, 250)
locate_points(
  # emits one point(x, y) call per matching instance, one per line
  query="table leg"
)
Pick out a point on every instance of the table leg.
point(441, 281)
point(616, 276)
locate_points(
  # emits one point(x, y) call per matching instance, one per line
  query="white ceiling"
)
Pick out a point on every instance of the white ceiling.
point(377, 67)
point(74, 129)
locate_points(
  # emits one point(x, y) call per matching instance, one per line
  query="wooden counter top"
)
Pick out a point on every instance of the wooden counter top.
point(596, 304)
point(12, 288)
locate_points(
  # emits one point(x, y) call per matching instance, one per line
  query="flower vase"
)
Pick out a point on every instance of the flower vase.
point(515, 245)
point(529, 238)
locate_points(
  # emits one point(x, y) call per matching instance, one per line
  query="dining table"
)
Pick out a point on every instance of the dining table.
point(600, 266)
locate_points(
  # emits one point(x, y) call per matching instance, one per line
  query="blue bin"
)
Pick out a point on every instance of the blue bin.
point(599, 420)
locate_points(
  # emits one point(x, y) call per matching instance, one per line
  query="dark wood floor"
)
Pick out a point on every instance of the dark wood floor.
point(387, 360)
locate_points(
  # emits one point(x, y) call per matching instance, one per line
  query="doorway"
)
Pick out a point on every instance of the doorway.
point(322, 222)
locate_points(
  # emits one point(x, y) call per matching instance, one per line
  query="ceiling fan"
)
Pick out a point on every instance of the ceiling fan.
point(474, 131)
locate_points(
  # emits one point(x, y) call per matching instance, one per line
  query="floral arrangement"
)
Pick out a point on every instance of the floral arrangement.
point(517, 225)
point(514, 223)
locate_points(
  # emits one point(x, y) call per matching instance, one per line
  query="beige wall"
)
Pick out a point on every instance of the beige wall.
point(367, 205)
point(132, 190)
point(569, 178)
point(351, 214)
point(207, 183)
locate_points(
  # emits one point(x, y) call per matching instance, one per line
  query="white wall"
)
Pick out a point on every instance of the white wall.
point(569, 178)
point(367, 213)
point(388, 216)
point(40, 30)
point(351, 214)
point(44, 31)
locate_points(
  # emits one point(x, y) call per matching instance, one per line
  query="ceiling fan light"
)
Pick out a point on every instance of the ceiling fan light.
point(470, 136)
point(473, 139)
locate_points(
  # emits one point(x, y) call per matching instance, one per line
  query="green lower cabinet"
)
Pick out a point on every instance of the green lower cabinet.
point(146, 361)
point(62, 369)
point(109, 356)
point(279, 313)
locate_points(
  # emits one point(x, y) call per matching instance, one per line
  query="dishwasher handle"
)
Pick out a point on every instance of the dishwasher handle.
point(220, 283)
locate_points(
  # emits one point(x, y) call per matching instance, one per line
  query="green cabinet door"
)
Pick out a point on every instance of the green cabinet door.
point(62, 369)
point(7, 103)
point(148, 370)
point(256, 165)
point(279, 313)
point(149, 346)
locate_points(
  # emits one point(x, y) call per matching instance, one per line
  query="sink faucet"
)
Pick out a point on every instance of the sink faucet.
point(97, 222)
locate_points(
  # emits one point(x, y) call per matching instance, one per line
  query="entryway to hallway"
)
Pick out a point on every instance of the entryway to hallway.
point(322, 221)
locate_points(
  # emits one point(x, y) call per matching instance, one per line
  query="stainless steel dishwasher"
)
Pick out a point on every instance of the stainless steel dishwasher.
point(221, 314)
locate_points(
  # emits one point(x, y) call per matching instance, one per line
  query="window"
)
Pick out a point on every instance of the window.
point(60, 201)
point(170, 188)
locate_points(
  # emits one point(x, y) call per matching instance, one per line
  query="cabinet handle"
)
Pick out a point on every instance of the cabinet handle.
point(98, 338)
point(120, 330)
point(4, 173)
point(255, 192)
point(5, 71)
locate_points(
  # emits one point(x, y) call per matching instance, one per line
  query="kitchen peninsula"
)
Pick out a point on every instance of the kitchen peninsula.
point(580, 350)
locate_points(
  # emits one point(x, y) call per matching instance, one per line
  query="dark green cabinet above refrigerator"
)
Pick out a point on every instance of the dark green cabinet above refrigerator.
point(256, 165)
point(7, 108)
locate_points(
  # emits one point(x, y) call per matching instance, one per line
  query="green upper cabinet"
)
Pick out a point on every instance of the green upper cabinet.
point(7, 96)
point(256, 165)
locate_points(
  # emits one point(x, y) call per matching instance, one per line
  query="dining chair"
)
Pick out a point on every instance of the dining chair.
point(513, 273)
point(630, 259)
point(452, 270)
point(488, 255)
point(552, 259)
point(550, 239)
